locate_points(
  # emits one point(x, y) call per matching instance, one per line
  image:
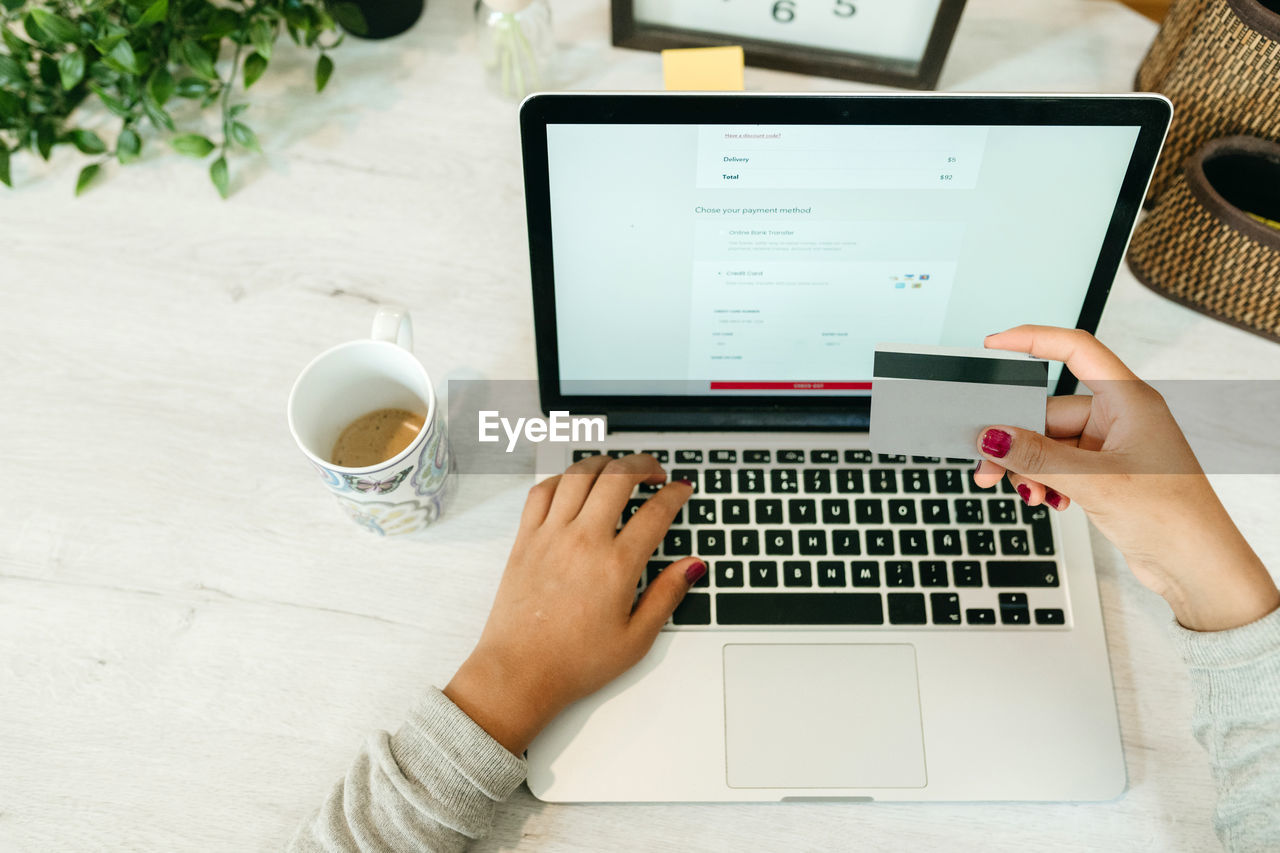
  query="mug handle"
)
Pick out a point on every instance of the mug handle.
point(392, 324)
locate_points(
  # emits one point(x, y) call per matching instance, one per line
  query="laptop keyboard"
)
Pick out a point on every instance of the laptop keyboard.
point(840, 537)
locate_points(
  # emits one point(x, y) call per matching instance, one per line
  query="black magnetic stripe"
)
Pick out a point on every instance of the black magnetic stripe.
point(959, 368)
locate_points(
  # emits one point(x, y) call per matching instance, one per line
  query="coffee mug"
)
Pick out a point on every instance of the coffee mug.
point(407, 492)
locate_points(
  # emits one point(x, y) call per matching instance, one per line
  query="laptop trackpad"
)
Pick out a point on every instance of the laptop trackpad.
point(822, 716)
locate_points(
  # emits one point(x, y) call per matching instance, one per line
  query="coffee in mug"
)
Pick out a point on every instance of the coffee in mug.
point(376, 437)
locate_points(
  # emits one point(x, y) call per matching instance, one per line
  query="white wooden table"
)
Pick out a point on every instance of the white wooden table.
point(193, 641)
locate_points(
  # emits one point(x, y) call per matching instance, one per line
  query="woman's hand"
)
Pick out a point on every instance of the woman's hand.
point(562, 624)
point(1120, 455)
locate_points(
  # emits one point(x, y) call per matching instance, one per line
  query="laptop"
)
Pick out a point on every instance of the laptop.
point(712, 273)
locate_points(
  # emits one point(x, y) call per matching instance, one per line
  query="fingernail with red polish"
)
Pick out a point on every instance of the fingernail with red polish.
point(1024, 492)
point(694, 573)
point(996, 442)
point(1053, 499)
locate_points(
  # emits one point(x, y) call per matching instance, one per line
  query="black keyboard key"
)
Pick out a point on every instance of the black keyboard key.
point(1006, 486)
point(948, 481)
point(924, 460)
point(817, 481)
point(865, 573)
point(1013, 608)
point(801, 511)
point(1050, 616)
point(677, 543)
point(913, 542)
point(799, 608)
point(880, 543)
point(824, 456)
point(835, 511)
point(1014, 543)
point(790, 457)
point(933, 573)
point(689, 457)
point(980, 616)
point(1001, 511)
point(717, 481)
point(756, 456)
point(745, 543)
point(784, 480)
point(966, 572)
point(974, 488)
point(946, 608)
point(968, 511)
point(661, 455)
point(981, 542)
point(618, 454)
point(750, 480)
point(845, 542)
point(899, 573)
point(892, 458)
point(848, 481)
point(654, 568)
point(868, 511)
point(857, 457)
point(723, 456)
point(778, 543)
point(946, 542)
point(883, 481)
point(762, 573)
point(915, 481)
point(736, 512)
point(768, 511)
point(1022, 573)
point(579, 455)
point(728, 573)
point(906, 608)
point(955, 460)
point(700, 512)
point(935, 512)
point(830, 573)
point(902, 512)
point(633, 506)
point(711, 543)
point(813, 543)
point(1041, 529)
point(689, 474)
point(649, 488)
point(695, 609)
point(797, 573)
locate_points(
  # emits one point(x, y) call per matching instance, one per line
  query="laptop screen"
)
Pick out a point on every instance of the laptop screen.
point(771, 259)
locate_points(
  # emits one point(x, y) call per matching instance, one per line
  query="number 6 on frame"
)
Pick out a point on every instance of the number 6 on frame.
point(894, 42)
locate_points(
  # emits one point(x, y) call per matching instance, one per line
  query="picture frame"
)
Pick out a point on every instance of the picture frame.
point(799, 57)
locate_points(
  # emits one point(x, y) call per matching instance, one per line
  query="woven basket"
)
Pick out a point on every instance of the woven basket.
point(1219, 62)
point(1200, 247)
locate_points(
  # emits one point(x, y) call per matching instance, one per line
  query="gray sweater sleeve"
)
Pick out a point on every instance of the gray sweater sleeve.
point(432, 786)
point(1236, 676)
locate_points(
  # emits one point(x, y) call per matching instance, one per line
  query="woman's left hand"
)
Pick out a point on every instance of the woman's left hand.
point(562, 624)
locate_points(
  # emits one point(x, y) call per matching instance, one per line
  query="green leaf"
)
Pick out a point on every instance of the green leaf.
point(192, 87)
point(49, 74)
point(55, 26)
point(87, 174)
point(110, 101)
point(11, 71)
point(254, 64)
point(350, 17)
point(4, 166)
point(236, 109)
point(324, 68)
point(223, 22)
point(198, 60)
point(122, 58)
point(45, 137)
point(11, 5)
point(263, 36)
point(71, 69)
point(104, 45)
point(192, 144)
point(11, 105)
point(242, 135)
point(218, 174)
point(160, 86)
point(155, 13)
point(88, 142)
point(17, 47)
point(128, 145)
point(156, 113)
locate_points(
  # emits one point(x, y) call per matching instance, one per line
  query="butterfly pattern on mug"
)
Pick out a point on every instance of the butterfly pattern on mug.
point(370, 486)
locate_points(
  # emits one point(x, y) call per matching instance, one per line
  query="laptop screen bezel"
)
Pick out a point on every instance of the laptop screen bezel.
point(1150, 113)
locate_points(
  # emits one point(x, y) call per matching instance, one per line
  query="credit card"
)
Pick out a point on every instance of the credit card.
point(935, 401)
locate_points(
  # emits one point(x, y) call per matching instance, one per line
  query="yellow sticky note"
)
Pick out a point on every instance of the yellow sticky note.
point(703, 69)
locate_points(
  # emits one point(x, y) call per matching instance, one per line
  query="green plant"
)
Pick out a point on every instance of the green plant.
point(134, 57)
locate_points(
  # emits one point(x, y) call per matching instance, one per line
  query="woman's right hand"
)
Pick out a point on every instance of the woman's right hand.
point(1120, 455)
